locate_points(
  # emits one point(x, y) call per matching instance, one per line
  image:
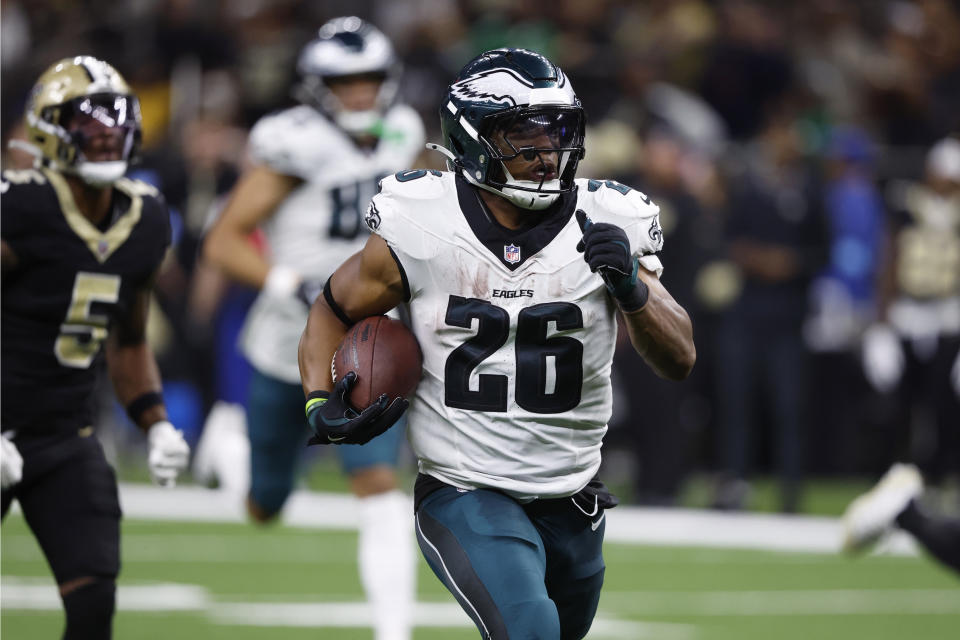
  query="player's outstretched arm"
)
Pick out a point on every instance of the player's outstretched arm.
point(661, 331)
point(136, 382)
point(253, 200)
point(367, 284)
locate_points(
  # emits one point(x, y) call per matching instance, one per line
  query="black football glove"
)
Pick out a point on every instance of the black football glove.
point(606, 248)
point(334, 421)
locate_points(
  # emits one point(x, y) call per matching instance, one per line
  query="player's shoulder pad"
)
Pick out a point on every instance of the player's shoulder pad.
point(408, 203)
point(416, 184)
point(139, 188)
point(14, 180)
point(154, 212)
point(25, 193)
point(632, 210)
point(154, 204)
point(284, 139)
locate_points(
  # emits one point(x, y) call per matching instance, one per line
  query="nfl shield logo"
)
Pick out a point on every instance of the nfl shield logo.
point(511, 253)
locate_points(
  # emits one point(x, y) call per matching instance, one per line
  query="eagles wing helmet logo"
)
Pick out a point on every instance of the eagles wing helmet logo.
point(511, 253)
point(500, 86)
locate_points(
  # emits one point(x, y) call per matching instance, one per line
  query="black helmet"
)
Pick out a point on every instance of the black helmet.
point(504, 103)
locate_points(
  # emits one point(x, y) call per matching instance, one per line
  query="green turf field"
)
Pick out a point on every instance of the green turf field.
point(235, 581)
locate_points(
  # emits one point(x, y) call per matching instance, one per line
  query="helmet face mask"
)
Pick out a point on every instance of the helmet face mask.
point(513, 125)
point(348, 50)
point(534, 147)
point(84, 120)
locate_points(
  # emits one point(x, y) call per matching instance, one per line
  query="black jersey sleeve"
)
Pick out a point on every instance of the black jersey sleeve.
point(25, 197)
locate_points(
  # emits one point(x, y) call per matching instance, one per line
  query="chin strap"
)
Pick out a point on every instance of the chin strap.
point(432, 146)
point(25, 146)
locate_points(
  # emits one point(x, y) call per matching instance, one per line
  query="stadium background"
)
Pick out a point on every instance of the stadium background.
point(684, 99)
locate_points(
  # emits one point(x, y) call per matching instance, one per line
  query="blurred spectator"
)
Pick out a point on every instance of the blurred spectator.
point(662, 423)
point(843, 299)
point(775, 237)
point(749, 66)
point(915, 346)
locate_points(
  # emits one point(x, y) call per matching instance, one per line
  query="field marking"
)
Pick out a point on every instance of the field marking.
point(33, 593)
point(625, 525)
point(785, 602)
point(39, 594)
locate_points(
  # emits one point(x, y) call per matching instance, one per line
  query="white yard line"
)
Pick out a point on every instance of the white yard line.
point(823, 602)
point(38, 594)
point(625, 525)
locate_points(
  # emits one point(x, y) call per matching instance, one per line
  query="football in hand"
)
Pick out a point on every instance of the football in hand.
point(385, 356)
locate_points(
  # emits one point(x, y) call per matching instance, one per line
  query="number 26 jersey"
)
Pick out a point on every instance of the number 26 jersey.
point(517, 334)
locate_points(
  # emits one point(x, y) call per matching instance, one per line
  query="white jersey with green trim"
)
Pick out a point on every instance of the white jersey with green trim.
point(320, 224)
point(517, 334)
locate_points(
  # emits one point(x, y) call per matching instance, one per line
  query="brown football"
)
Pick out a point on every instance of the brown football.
point(385, 356)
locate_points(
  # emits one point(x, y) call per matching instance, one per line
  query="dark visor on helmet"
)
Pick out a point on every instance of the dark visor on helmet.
point(108, 110)
point(530, 130)
point(89, 118)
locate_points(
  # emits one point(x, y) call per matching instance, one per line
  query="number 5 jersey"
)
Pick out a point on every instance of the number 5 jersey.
point(517, 334)
point(71, 282)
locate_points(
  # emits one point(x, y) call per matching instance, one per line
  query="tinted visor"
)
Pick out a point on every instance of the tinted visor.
point(530, 130)
point(108, 110)
point(103, 126)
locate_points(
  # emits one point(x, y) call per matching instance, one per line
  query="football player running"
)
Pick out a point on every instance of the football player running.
point(80, 247)
point(517, 330)
point(315, 168)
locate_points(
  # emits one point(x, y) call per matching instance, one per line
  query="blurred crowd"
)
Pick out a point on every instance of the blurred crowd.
point(800, 153)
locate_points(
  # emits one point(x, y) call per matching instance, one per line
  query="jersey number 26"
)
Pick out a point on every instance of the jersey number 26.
point(549, 370)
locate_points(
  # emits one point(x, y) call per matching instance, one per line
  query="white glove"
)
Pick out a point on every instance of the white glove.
point(11, 464)
point(883, 358)
point(169, 453)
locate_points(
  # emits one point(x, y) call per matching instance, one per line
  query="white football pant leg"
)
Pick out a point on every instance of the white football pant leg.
point(387, 561)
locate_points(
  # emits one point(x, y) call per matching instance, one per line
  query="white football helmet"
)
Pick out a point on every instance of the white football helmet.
point(346, 47)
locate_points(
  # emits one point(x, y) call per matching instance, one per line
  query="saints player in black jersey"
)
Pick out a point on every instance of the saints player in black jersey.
point(80, 246)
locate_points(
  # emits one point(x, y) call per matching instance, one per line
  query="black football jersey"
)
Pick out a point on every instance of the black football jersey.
point(71, 282)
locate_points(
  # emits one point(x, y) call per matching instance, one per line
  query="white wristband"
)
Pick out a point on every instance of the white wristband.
point(281, 282)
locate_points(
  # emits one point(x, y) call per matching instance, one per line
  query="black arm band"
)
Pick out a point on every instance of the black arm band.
point(143, 402)
point(328, 296)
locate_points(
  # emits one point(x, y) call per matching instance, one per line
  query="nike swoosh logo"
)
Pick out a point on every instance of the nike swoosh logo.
point(594, 525)
point(332, 439)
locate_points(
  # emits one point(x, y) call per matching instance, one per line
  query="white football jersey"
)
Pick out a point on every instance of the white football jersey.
point(517, 334)
point(320, 224)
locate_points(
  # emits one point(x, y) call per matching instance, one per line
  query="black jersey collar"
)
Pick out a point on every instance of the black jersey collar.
point(513, 247)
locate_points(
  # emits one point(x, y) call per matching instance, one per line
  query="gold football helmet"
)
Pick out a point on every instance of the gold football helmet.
point(82, 118)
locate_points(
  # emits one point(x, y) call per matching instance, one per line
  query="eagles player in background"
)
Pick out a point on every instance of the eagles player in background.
point(316, 166)
point(518, 332)
point(80, 247)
